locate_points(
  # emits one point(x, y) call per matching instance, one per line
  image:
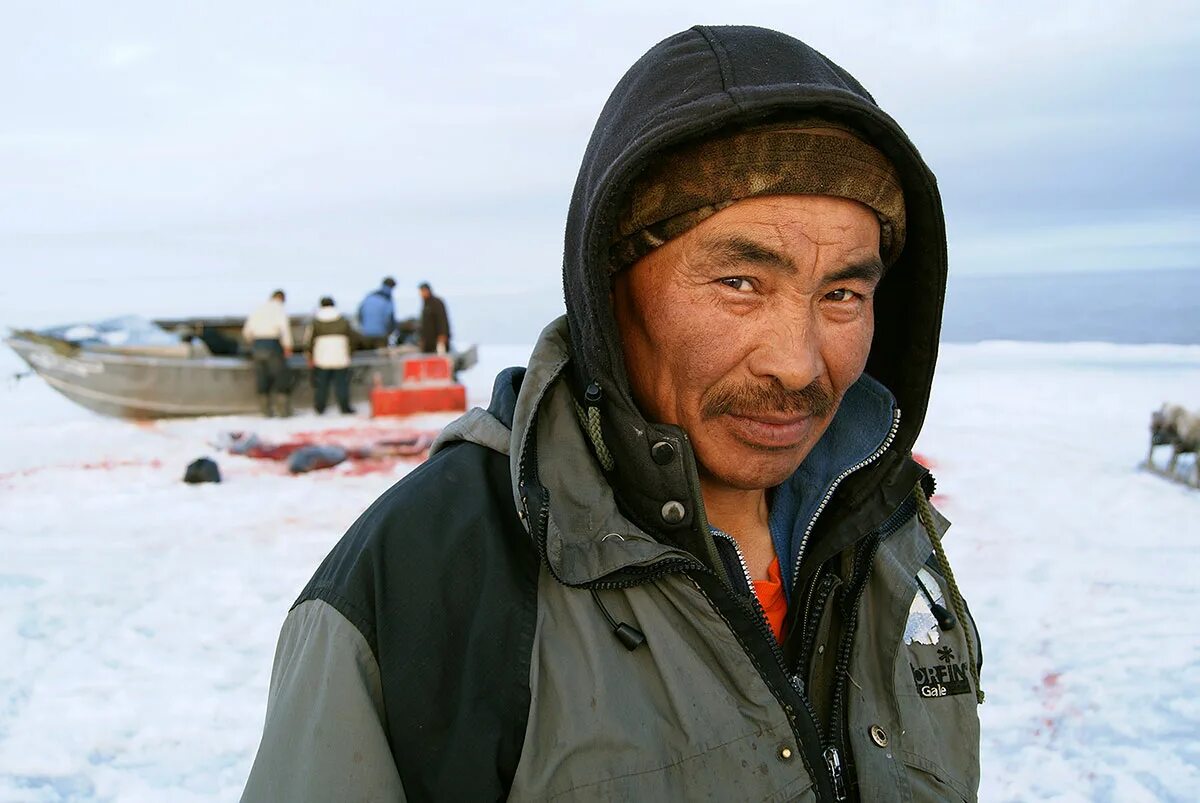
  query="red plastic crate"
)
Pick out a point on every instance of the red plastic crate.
point(407, 401)
point(427, 369)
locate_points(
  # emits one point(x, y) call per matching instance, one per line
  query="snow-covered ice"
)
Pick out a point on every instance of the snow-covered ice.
point(1083, 572)
point(138, 615)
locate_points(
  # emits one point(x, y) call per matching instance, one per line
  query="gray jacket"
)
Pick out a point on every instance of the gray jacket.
point(688, 715)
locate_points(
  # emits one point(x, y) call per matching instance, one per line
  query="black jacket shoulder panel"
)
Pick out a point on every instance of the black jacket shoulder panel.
point(504, 395)
point(440, 577)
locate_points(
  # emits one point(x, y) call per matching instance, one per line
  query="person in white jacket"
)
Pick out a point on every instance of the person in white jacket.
point(329, 342)
point(269, 334)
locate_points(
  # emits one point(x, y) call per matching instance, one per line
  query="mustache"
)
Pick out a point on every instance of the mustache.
point(749, 399)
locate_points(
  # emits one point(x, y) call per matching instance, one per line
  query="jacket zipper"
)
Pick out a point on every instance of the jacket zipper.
point(887, 442)
point(764, 629)
point(833, 760)
point(835, 742)
point(837, 736)
point(862, 566)
point(761, 620)
point(822, 584)
point(832, 755)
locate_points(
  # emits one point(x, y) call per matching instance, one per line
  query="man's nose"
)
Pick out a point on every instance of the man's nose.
point(789, 352)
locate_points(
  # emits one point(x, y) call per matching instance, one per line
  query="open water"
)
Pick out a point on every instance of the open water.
point(1146, 306)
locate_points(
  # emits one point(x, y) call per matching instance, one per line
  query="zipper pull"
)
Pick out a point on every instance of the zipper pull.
point(833, 760)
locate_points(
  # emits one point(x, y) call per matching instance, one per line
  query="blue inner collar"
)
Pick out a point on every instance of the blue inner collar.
point(858, 430)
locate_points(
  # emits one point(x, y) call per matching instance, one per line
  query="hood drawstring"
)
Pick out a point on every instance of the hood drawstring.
point(925, 514)
point(589, 419)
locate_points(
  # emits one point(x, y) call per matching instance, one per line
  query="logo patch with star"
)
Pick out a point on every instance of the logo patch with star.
point(947, 677)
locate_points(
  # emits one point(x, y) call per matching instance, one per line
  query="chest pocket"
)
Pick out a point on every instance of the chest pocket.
point(936, 696)
point(914, 723)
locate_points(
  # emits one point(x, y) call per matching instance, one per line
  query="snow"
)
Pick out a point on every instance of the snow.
point(138, 615)
point(1082, 571)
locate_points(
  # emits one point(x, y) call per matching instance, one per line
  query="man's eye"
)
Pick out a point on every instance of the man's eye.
point(841, 294)
point(737, 283)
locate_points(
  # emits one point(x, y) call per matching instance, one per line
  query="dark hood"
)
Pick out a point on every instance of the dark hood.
point(695, 82)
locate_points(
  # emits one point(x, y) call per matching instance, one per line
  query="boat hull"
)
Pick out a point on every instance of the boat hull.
point(145, 387)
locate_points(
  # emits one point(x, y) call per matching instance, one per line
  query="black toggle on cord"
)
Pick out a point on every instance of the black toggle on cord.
point(628, 635)
point(945, 619)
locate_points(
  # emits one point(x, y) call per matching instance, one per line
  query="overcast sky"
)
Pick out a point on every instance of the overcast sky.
point(262, 143)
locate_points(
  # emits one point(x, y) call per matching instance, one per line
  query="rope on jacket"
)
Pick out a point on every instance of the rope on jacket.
point(589, 419)
point(925, 514)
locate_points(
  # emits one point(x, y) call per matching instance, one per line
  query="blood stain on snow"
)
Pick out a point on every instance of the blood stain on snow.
point(93, 465)
point(1051, 694)
point(109, 465)
point(372, 449)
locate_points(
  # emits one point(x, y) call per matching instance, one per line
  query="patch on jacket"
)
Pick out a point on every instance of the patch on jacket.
point(947, 677)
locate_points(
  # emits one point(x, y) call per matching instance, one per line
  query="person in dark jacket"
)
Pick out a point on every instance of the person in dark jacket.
point(329, 342)
point(377, 315)
point(435, 322)
point(686, 552)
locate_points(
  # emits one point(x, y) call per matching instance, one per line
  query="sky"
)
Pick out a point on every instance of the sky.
point(239, 146)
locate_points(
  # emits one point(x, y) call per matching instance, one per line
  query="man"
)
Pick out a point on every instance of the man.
point(269, 334)
point(686, 553)
point(377, 315)
point(329, 341)
point(435, 323)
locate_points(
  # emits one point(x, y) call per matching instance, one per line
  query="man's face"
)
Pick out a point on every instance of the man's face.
point(425, 292)
point(747, 330)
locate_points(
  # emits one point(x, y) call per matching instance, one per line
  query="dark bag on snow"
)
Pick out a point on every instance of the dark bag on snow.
point(202, 470)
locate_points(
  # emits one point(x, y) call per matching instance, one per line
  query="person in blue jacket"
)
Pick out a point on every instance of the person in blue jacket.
point(377, 315)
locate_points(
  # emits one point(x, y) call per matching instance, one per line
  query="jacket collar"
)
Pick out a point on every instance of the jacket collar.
point(862, 430)
point(586, 538)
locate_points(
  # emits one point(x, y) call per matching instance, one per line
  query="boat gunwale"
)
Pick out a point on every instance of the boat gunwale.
point(111, 354)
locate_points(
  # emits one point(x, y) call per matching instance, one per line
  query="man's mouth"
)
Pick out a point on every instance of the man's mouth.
point(771, 430)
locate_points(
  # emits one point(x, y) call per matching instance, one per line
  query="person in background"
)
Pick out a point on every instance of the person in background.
point(377, 316)
point(435, 323)
point(269, 334)
point(328, 342)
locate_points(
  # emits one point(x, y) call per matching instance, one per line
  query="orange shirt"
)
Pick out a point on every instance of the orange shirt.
point(770, 596)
